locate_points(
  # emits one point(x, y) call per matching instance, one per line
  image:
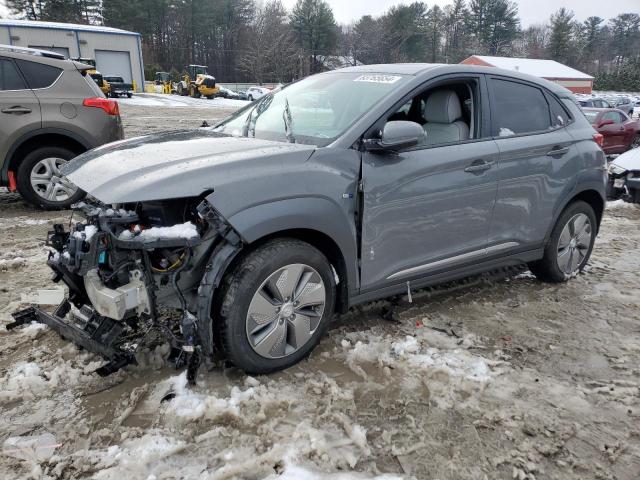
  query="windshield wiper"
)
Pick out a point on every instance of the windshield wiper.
point(288, 122)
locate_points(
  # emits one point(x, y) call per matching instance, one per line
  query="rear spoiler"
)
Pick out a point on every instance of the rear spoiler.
point(82, 67)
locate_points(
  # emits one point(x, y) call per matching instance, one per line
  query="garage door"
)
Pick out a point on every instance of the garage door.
point(113, 63)
point(62, 50)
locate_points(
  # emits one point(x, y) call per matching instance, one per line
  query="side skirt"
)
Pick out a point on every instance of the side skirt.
point(446, 276)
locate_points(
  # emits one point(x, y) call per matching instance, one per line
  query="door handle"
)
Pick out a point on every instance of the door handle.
point(16, 110)
point(558, 151)
point(478, 166)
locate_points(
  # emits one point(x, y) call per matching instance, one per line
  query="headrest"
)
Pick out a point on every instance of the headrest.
point(443, 106)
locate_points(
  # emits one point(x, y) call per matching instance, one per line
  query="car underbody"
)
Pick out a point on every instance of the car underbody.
point(124, 265)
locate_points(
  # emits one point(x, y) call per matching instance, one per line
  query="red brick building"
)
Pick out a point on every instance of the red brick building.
point(568, 77)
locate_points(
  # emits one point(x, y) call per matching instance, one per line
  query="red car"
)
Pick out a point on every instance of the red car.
point(619, 131)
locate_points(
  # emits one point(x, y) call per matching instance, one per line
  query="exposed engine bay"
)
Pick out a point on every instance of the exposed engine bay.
point(126, 263)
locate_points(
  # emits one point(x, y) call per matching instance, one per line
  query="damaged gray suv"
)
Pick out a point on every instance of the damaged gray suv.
point(343, 188)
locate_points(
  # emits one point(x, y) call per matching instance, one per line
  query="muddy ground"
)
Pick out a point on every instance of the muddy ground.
point(490, 380)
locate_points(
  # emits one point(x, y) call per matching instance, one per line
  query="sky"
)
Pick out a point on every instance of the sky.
point(531, 11)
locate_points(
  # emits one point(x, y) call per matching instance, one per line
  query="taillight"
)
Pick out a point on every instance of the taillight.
point(599, 139)
point(109, 106)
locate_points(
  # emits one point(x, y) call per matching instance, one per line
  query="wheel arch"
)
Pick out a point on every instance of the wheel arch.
point(42, 138)
point(591, 196)
point(313, 220)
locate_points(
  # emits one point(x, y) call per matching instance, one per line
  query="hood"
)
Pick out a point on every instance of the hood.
point(629, 160)
point(175, 164)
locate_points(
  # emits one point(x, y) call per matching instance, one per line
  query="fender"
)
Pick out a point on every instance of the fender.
point(309, 213)
point(35, 133)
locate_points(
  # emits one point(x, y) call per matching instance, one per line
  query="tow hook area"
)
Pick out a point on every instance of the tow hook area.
point(93, 332)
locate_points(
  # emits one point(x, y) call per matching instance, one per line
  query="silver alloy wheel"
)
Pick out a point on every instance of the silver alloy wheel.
point(49, 183)
point(635, 143)
point(574, 243)
point(285, 311)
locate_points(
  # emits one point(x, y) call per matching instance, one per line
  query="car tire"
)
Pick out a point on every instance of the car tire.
point(257, 325)
point(36, 167)
point(569, 246)
point(251, 98)
point(635, 143)
point(129, 95)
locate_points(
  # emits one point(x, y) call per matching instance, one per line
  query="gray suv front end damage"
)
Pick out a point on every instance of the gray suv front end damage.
point(119, 275)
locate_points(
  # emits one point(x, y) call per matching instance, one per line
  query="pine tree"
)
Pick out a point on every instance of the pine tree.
point(315, 28)
point(561, 41)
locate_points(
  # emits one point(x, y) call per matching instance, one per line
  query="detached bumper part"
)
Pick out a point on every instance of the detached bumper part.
point(115, 303)
point(97, 335)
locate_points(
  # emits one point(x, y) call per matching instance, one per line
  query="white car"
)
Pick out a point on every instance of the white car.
point(255, 93)
point(624, 177)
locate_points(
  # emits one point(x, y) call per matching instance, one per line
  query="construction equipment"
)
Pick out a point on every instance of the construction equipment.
point(197, 82)
point(95, 74)
point(163, 79)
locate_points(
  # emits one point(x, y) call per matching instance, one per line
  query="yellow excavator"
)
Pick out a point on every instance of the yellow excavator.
point(95, 74)
point(197, 82)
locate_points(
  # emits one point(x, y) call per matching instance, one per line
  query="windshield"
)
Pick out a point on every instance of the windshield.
point(313, 111)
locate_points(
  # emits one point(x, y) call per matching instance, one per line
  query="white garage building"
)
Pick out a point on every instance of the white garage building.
point(116, 52)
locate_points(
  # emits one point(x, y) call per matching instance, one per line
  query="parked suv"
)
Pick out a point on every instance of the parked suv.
point(50, 111)
point(260, 229)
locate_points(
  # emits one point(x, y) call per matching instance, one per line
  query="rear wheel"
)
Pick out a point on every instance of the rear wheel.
point(570, 245)
point(42, 184)
point(275, 306)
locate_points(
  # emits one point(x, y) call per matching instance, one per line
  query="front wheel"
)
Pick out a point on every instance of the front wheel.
point(635, 143)
point(570, 245)
point(42, 184)
point(275, 305)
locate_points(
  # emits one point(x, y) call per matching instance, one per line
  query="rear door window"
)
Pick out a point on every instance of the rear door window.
point(518, 109)
point(39, 75)
point(10, 78)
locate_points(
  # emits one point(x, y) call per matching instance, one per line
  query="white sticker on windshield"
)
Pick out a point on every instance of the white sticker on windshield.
point(378, 78)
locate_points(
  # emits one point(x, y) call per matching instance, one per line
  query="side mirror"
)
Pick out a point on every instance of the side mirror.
point(397, 135)
point(606, 122)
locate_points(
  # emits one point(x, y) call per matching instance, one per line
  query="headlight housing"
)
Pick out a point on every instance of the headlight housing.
point(616, 170)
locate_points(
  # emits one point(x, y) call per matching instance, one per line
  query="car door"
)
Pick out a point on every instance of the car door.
point(59, 107)
point(629, 133)
point(427, 209)
point(538, 162)
point(19, 107)
point(612, 128)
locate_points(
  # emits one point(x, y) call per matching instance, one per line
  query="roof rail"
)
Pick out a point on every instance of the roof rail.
point(31, 51)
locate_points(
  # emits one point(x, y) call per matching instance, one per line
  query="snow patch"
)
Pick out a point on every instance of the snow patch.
point(617, 204)
point(86, 235)
point(188, 405)
point(185, 230)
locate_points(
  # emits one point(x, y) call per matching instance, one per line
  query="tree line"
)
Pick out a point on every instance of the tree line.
point(248, 40)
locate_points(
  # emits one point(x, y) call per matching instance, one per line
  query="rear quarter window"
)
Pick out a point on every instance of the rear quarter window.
point(518, 109)
point(559, 115)
point(39, 75)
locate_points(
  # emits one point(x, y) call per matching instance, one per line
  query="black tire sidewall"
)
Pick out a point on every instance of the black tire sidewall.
point(244, 282)
point(24, 177)
point(551, 252)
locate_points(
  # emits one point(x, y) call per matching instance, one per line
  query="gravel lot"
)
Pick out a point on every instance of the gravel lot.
point(485, 380)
